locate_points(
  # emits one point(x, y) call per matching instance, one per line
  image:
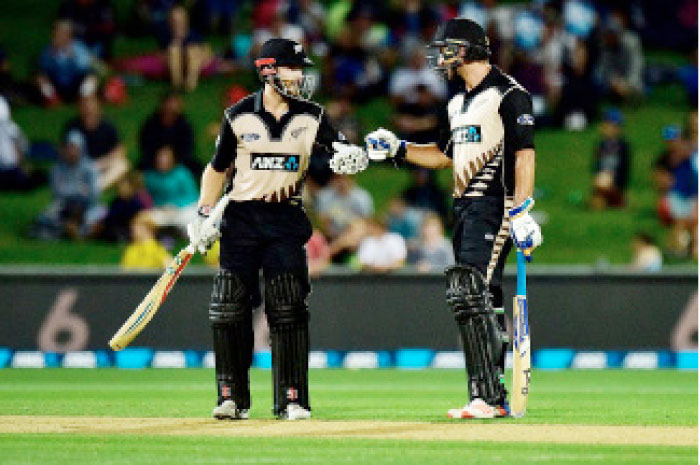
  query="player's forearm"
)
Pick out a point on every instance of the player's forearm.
point(427, 156)
point(524, 174)
point(212, 183)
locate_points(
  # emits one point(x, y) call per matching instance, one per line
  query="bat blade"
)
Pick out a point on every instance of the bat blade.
point(151, 303)
point(521, 345)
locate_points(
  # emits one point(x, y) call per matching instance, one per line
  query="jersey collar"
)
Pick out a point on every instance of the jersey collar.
point(486, 82)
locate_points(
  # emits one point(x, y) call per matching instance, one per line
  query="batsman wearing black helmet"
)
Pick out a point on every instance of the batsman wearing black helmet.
point(268, 139)
point(486, 136)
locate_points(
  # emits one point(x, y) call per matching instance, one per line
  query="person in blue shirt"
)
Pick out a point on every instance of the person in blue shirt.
point(65, 67)
point(75, 193)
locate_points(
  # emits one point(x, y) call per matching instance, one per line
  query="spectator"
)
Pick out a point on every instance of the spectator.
point(676, 175)
point(149, 17)
point(101, 140)
point(353, 68)
point(434, 253)
point(311, 16)
point(74, 187)
point(551, 55)
point(647, 255)
point(144, 252)
point(131, 199)
point(578, 102)
point(340, 203)
point(621, 63)
point(168, 126)
point(318, 254)
point(13, 146)
point(675, 151)
point(381, 251)
point(683, 206)
point(65, 67)
point(173, 189)
point(93, 23)
point(404, 219)
point(277, 27)
point(414, 19)
point(611, 164)
point(418, 121)
point(416, 90)
point(424, 193)
point(342, 114)
point(183, 56)
point(343, 246)
point(212, 15)
point(415, 73)
point(185, 50)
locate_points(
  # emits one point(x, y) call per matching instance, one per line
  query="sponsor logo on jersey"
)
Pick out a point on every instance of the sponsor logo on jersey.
point(250, 137)
point(526, 119)
point(466, 134)
point(274, 162)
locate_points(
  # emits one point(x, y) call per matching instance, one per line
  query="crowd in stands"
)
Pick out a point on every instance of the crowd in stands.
point(574, 56)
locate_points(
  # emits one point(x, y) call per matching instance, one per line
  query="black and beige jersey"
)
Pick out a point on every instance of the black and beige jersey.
point(270, 157)
point(481, 130)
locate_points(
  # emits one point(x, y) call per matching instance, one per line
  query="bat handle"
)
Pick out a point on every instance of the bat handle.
point(521, 288)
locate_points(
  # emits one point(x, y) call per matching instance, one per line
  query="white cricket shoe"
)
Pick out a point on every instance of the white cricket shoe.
point(227, 411)
point(295, 412)
point(477, 408)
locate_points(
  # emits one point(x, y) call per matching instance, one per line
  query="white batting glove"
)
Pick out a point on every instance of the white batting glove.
point(348, 159)
point(202, 236)
point(524, 229)
point(382, 144)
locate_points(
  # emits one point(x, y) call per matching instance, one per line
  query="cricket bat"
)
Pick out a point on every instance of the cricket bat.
point(156, 296)
point(521, 343)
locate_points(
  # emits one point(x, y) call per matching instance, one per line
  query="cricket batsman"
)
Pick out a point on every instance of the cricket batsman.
point(486, 136)
point(268, 138)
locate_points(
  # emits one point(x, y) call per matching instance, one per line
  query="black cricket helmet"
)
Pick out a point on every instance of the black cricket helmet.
point(283, 52)
point(457, 41)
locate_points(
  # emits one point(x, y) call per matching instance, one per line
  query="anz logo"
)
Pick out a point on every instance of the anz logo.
point(466, 134)
point(274, 162)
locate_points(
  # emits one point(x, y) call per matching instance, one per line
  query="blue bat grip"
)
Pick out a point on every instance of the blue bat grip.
point(522, 277)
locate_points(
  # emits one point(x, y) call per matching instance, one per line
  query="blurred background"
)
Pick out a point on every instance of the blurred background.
point(109, 110)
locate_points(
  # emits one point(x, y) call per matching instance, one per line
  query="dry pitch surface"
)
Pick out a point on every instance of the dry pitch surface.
point(457, 431)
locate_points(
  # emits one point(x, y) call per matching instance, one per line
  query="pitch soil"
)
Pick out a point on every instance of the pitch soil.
point(414, 431)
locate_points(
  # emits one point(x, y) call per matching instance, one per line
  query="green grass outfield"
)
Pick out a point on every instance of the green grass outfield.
point(368, 416)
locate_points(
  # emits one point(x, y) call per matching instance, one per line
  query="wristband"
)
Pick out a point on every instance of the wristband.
point(399, 157)
point(521, 209)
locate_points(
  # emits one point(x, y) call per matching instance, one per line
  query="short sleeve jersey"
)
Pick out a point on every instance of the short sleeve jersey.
point(482, 129)
point(271, 157)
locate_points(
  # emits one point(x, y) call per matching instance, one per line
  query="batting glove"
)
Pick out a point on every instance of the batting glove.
point(382, 144)
point(524, 229)
point(202, 236)
point(348, 159)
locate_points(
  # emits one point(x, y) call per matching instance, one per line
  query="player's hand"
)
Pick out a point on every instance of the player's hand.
point(202, 236)
point(382, 144)
point(348, 159)
point(524, 229)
